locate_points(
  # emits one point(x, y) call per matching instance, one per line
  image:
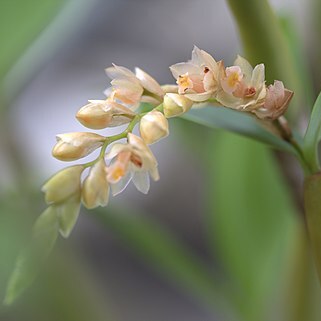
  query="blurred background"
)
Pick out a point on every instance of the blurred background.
point(171, 255)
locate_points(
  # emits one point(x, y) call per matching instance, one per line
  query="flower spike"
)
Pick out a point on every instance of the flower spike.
point(202, 79)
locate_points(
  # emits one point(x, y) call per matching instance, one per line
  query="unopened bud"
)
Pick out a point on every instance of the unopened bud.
point(175, 105)
point(153, 127)
point(99, 114)
point(95, 191)
point(63, 184)
point(68, 213)
point(72, 146)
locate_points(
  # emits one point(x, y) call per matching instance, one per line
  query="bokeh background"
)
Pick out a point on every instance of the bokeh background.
point(122, 265)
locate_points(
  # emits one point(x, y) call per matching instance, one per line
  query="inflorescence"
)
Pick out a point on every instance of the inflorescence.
point(200, 80)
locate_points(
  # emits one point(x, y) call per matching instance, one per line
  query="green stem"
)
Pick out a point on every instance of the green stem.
point(111, 139)
point(286, 133)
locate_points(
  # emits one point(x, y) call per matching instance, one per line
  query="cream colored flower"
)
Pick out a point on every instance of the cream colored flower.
point(175, 105)
point(95, 190)
point(197, 79)
point(131, 89)
point(242, 87)
point(276, 101)
point(100, 114)
point(63, 184)
point(153, 127)
point(132, 161)
point(72, 146)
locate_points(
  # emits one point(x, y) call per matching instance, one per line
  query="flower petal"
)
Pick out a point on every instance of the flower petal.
point(95, 191)
point(118, 187)
point(72, 146)
point(184, 67)
point(258, 76)
point(154, 173)
point(148, 82)
point(199, 97)
point(141, 181)
point(228, 100)
point(119, 72)
point(150, 100)
point(246, 67)
point(63, 184)
point(203, 59)
point(116, 149)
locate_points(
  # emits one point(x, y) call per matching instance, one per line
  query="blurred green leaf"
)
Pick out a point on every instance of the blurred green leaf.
point(20, 22)
point(296, 45)
point(237, 122)
point(312, 202)
point(45, 233)
point(169, 256)
point(312, 135)
point(66, 290)
point(250, 220)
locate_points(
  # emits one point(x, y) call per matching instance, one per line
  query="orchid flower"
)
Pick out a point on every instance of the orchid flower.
point(132, 161)
point(131, 89)
point(242, 87)
point(276, 101)
point(197, 79)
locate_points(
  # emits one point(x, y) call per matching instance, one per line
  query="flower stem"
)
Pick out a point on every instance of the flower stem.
point(282, 124)
point(111, 139)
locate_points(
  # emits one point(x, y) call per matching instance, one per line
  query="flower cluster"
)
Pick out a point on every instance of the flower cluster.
point(202, 79)
point(238, 87)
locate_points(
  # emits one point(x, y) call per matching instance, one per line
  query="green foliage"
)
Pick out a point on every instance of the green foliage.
point(313, 134)
point(168, 255)
point(250, 221)
point(45, 233)
point(295, 43)
point(20, 22)
point(312, 201)
point(239, 123)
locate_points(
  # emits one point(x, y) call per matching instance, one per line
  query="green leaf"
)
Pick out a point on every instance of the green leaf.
point(68, 213)
point(250, 221)
point(237, 122)
point(45, 233)
point(296, 45)
point(169, 256)
point(21, 22)
point(312, 202)
point(312, 136)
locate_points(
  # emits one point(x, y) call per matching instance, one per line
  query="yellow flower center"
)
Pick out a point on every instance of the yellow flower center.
point(184, 83)
point(117, 173)
point(233, 79)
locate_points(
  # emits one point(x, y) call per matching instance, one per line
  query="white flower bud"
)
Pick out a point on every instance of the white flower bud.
point(63, 184)
point(153, 127)
point(95, 191)
point(99, 114)
point(175, 105)
point(72, 146)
